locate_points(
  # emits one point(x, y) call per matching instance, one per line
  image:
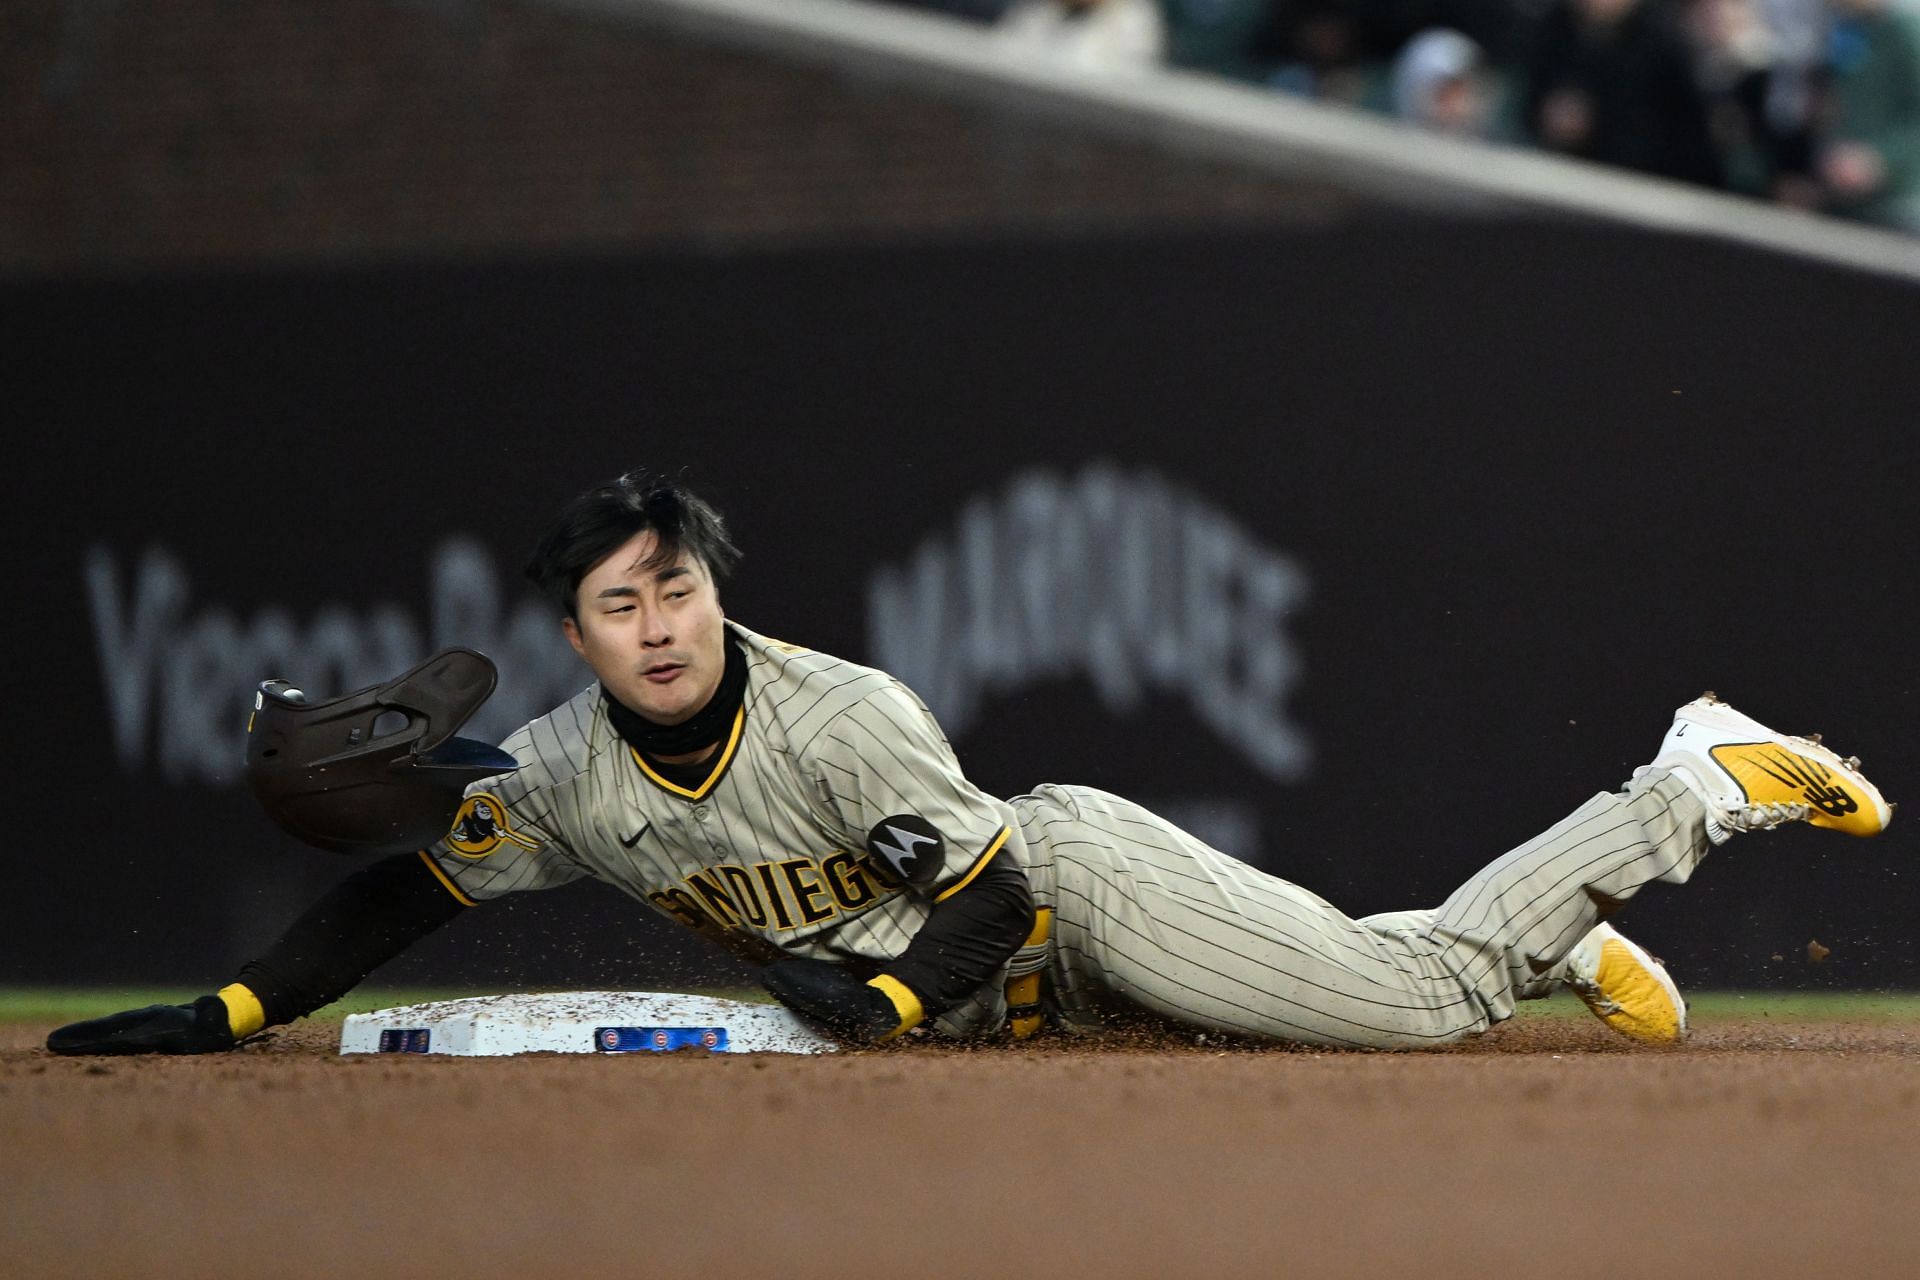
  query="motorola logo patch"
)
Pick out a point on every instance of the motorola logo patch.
point(910, 847)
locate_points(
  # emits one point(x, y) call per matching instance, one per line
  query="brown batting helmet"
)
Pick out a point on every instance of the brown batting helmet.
point(379, 770)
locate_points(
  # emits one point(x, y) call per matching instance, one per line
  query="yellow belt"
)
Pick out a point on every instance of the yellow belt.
point(1024, 1016)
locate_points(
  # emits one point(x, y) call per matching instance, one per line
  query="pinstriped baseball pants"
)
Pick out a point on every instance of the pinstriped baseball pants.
point(1149, 919)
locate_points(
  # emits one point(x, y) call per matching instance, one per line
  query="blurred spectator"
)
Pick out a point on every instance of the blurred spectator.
point(1337, 49)
point(1796, 91)
point(1759, 107)
point(1440, 83)
point(1613, 81)
point(1871, 165)
point(1334, 50)
point(1089, 34)
point(1344, 50)
point(1809, 103)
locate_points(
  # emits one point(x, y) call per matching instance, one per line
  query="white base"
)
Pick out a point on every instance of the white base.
point(581, 1022)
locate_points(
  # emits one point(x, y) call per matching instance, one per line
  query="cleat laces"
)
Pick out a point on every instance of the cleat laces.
point(1755, 817)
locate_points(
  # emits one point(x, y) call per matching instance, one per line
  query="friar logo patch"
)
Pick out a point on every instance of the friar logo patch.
point(482, 825)
point(910, 846)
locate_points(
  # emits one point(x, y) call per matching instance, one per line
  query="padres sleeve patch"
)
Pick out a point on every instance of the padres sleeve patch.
point(482, 825)
point(909, 845)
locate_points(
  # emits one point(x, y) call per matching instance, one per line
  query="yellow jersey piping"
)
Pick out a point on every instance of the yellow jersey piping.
point(978, 867)
point(441, 876)
point(719, 767)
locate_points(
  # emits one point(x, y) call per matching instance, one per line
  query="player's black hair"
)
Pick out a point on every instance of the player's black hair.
point(593, 525)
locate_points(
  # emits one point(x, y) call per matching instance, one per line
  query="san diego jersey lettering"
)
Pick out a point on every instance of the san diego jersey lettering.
point(773, 843)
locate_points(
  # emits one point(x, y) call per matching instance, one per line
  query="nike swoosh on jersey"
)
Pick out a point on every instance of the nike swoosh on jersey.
point(627, 842)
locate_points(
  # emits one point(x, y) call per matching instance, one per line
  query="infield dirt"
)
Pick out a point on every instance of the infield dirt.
point(1764, 1148)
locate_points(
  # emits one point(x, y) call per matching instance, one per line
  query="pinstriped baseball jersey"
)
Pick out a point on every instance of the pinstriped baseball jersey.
point(788, 839)
point(835, 815)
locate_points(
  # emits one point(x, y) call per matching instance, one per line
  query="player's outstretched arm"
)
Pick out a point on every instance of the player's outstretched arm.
point(962, 946)
point(359, 925)
point(833, 999)
point(201, 1027)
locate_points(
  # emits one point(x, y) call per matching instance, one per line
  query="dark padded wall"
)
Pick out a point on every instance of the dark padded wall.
point(1537, 485)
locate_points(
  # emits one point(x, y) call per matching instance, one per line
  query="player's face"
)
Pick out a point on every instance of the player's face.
point(653, 634)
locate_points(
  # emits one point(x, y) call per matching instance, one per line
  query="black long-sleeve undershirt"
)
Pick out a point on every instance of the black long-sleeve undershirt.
point(385, 907)
point(360, 924)
point(967, 938)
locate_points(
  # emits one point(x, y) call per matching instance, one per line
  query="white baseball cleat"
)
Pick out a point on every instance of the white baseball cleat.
point(1752, 778)
point(1625, 987)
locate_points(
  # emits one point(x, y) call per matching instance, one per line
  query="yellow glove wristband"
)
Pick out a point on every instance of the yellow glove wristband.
point(244, 1014)
point(905, 1003)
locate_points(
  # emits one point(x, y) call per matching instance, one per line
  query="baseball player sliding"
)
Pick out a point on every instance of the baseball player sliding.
point(808, 812)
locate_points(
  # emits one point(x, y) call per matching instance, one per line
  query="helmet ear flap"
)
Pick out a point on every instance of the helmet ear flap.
point(342, 775)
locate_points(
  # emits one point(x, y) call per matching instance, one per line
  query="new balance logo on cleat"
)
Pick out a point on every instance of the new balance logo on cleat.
point(1752, 778)
point(1814, 780)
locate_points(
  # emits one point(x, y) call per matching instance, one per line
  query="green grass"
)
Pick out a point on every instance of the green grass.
point(70, 1004)
point(1797, 1006)
point(57, 1004)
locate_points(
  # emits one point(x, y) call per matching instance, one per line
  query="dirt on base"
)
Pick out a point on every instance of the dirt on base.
point(1546, 1148)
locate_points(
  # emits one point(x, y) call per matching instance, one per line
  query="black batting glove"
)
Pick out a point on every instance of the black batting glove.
point(200, 1027)
point(832, 999)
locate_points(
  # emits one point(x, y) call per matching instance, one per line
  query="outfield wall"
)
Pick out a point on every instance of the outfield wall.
point(1368, 551)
